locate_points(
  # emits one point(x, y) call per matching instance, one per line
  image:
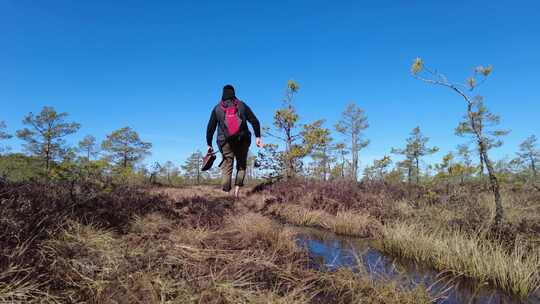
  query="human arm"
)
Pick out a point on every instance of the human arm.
point(250, 116)
point(211, 129)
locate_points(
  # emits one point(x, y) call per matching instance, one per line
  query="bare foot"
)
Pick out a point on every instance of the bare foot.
point(237, 192)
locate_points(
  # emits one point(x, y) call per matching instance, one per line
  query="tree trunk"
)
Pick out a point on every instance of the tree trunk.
point(125, 161)
point(484, 159)
point(289, 157)
point(324, 165)
point(481, 165)
point(198, 171)
point(342, 165)
point(48, 157)
point(354, 151)
point(328, 170)
point(417, 170)
point(533, 167)
point(495, 188)
point(47, 163)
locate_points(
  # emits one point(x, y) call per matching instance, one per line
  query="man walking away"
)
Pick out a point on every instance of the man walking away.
point(230, 117)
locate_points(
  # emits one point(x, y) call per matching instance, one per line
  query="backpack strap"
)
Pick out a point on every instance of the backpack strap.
point(241, 109)
point(235, 104)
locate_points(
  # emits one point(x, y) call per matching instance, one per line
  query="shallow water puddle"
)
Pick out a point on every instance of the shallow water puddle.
point(331, 252)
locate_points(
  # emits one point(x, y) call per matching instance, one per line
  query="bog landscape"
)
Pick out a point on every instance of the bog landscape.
point(108, 218)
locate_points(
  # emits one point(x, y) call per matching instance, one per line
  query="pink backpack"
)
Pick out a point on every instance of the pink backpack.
point(232, 118)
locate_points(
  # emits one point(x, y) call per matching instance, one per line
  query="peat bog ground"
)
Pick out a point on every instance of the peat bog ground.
point(83, 244)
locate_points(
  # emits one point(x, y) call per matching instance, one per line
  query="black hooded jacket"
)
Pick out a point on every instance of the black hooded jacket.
point(217, 120)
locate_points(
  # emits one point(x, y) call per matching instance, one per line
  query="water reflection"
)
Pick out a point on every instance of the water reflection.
point(331, 252)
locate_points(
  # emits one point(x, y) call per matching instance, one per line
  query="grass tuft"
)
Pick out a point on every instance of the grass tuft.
point(350, 223)
point(18, 286)
point(515, 271)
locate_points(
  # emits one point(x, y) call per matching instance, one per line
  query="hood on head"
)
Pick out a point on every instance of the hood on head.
point(228, 93)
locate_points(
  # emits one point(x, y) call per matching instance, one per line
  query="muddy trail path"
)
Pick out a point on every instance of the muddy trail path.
point(208, 205)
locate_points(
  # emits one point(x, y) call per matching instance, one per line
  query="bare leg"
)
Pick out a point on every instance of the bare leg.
point(237, 192)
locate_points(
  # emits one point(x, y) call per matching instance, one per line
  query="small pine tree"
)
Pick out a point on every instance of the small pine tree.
point(317, 141)
point(286, 124)
point(352, 124)
point(465, 153)
point(415, 149)
point(379, 169)
point(288, 131)
point(192, 167)
point(88, 147)
point(125, 147)
point(529, 153)
point(44, 136)
point(3, 134)
point(341, 151)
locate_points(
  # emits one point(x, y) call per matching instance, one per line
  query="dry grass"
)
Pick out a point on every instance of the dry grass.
point(252, 227)
point(350, 223)
point(470, 256)
point(251, 259)
point(352, 288)
point(128, 246)
point(18, 286)
point(191, 191)
point(85, 259)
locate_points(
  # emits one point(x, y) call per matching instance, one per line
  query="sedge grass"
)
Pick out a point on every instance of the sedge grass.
point(515, 271)
point(18, 286)
point(349, 223)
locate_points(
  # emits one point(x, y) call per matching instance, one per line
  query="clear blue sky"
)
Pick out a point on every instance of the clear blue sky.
point(158, 66)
